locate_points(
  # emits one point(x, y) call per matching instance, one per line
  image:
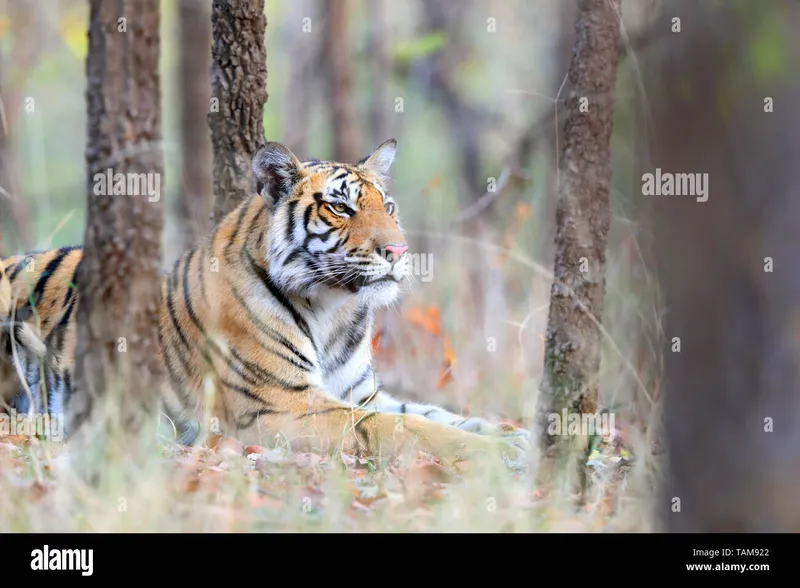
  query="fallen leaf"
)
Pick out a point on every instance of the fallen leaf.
point(446, 373)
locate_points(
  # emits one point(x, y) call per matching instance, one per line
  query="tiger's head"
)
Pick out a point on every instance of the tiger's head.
point(333, 226)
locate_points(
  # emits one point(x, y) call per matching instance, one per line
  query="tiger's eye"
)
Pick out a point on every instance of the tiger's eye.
point(339, 207)
point(389, 207)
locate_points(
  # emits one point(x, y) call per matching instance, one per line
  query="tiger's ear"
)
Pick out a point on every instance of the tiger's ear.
point(277, 170)
point(381, 159)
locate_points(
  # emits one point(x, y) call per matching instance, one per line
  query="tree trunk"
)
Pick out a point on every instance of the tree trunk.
point(380, 66)
point(117, 354)
point(196, 199)
point(339, 77)
point(727, 266)
point(304, 55)
point(238, 95)
point(572, 345)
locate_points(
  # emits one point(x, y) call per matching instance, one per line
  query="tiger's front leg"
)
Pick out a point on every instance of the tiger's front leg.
point(313, 422)
point(384, 402)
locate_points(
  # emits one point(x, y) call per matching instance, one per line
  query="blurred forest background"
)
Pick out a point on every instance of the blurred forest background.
point(474, 93)
point(467, 88)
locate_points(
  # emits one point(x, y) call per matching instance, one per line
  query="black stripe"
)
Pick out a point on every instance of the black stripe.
point(174, 378)
point(72, 287)
point(307, 219)
point(323, 411)
point(290, 220)
point(253, 416)
point(251, 378)
point(304, 363)
point(262, 274)
point(187, 294)
point(320, 236)
point(359, 429)
point(48, 272)
point(17, 268)
point(354, 339)
point(359, 316)
point(266, 377)
point(242, 390)
point(172, 284)
point(360, 380)
point(52, 382)
point(239, 220)
point(59, 332)
point(67, 388)
point(173, 313)
point(291, 257)
point(25, 311)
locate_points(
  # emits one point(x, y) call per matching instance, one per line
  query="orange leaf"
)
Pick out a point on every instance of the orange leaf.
point(445, 375)
point(429, 321)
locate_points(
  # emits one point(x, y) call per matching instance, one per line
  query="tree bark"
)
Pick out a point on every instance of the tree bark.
point(117, 354)
point(340, 93)
point(238, 95)
point(727, 266)
point(196, 200)
point(572, 345)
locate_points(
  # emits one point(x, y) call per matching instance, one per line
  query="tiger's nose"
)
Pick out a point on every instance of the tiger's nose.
point(395, 251)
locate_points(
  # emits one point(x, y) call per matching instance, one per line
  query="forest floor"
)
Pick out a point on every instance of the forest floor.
point(223, 486)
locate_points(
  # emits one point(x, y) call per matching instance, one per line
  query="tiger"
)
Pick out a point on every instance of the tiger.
point(274, 309)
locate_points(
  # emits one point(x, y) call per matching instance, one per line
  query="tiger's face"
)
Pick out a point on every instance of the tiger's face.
point(334, 226)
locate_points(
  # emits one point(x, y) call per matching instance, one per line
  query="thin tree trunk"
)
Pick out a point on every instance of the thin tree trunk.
point(340, 92)
point(238, 95)
point(727, 263)
point(381, 68)
point(117, 354)
point(572, 345)
point(196, 200)
point(304, 55)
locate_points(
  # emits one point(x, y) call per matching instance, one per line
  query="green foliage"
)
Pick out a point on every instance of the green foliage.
point(769, 48)
point(421, 47)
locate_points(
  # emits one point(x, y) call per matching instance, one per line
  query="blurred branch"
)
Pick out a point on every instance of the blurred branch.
point(484, 201)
